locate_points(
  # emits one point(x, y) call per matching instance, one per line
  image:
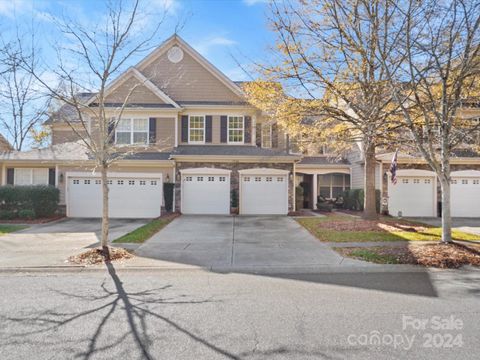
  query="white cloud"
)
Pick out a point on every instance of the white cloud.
point(10, 8)
point(254, 2)
point(204, 46)
point(170, 6)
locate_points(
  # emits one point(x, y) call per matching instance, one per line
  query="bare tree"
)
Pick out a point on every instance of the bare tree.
point(100, 53)
point(329, 49)
point(22, 106)
point(433, 75)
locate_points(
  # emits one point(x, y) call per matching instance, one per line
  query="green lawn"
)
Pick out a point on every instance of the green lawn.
point(316, 225)
point(144, 232)
point(8, 228)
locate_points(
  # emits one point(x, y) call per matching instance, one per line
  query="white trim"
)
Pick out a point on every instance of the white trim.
point(465, 173)
point(263, 171)
point(56, 176)
point(204, 130)
point(139, 76)
point(176, 131)
point(193, 53)
point(205, 170)
point(327, 171)
point(415, 172)
point(228, 130)
point(114, 174)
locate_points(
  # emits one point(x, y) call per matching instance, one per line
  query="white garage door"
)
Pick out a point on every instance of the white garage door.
point(263, 191)
point(205, 191)
point(130, 195)
point(465, 193)
point(413, 195)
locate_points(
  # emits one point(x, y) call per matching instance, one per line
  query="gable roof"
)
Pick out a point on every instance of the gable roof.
point(140, 77)
point(176, 39)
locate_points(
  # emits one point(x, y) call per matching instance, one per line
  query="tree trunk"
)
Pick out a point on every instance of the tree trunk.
point(446, 211)
point(369, 209)
point(105, 224)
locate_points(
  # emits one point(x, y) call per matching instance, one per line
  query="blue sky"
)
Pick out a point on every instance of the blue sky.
point(221, 30)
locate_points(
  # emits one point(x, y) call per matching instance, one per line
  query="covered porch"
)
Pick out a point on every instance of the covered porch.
point(326, 182)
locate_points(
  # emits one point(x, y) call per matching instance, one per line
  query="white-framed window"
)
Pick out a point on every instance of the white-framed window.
point(30, 176)
point(235, 129)
point(266, 135)
point(222, 178)
point(196, 129)
point(132, 131)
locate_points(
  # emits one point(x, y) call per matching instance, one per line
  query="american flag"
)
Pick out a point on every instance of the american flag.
point(393, 168)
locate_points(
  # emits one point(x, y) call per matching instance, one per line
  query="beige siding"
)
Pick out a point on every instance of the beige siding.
point(187, 80)
point(165, 133)
point(60, 136)
point(136, 93)
point(115, 168)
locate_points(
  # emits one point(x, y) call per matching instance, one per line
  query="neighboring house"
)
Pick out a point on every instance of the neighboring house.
point(190, 125)
point(5, 146)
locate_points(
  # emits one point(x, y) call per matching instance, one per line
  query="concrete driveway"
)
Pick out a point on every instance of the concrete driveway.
point(238, 242)
point(51, 244)
point(470, 225)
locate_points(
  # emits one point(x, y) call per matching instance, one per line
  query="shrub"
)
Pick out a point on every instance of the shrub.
point(168, 195)
point(27, 214)
point(7, 215)
point(43, 199)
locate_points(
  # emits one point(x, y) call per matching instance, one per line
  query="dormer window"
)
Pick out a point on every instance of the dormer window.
point(266, 135)
point(196, 130)
point(235, 129)
point(132, 131)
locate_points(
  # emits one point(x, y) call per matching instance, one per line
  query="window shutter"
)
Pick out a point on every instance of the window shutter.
point(274, 136)
point(247, 139)
point(10, 176)
point(287, 143)
point(51, 176)
point(208, 128)
point(111, 132)
point(223, 128)
point(258, 134)
point(152, 130)
point(185, 128)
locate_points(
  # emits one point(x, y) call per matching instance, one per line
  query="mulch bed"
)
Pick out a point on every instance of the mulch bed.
point(451, 256)
point(97, 256)
point(169, 215)
point(33, 221)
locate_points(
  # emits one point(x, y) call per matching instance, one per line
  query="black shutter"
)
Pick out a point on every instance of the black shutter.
point(248, 130)
point(10, 176)
point(152, 130)
point(184, 128)
point(208, 128)
point(258, 134)
point(274, 136)
point(111, 132)
point(223, 128)
point(51, 176)
point(287, 143)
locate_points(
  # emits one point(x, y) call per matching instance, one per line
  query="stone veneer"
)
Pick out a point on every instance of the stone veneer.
point(401, 166)
point(234, 176)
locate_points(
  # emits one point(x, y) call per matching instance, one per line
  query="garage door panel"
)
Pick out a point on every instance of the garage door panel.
point(129, 197)
point(206, 194)
point(412, 196)
point(465, 195)
point(267, 195)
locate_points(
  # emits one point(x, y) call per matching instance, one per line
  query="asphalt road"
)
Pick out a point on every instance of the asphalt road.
point(199, 315)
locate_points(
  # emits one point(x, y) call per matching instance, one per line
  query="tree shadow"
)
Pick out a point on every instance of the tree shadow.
point(132, 306)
